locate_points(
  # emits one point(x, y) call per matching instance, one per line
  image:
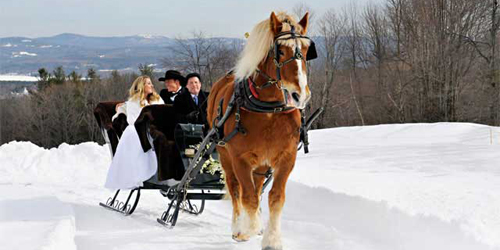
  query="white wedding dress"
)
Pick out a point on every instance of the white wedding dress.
point(131, 166)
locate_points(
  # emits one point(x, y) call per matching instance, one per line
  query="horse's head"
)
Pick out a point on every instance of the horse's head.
point(277, 51)
point(289, 52)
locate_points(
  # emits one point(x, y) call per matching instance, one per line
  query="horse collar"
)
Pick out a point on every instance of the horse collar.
point(247, 99)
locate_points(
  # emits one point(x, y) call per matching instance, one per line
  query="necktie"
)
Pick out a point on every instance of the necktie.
point(195, 98)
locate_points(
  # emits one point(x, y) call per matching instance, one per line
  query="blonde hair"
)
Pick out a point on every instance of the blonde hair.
point(136, 92)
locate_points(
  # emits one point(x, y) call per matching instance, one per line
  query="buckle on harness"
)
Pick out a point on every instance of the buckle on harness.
point(221, 143)
point(278, 64)
point(276, 110)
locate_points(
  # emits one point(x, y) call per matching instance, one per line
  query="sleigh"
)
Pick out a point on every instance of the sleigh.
point(178, 146)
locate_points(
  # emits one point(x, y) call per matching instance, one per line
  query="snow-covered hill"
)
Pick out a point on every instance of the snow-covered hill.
point(410, 186)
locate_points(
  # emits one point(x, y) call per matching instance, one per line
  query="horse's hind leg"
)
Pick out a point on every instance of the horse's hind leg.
point(259, 176)
point(249, 218)
point(272, 234)
point(233, 188)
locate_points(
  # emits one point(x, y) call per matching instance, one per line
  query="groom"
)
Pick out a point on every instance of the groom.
point(191, 105)
point(174, 84)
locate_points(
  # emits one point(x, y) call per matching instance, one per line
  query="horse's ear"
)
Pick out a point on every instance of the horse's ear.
point(304, 22)
point(276, 25)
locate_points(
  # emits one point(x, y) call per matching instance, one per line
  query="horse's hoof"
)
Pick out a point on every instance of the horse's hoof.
point(272, 248)
point(239, 237)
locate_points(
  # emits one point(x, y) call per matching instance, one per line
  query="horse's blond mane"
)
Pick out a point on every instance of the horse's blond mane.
point(258, 44)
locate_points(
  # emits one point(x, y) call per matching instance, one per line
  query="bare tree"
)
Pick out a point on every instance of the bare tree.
point(300, 10)
point(355, 48)
point(201, 54)
point(331, 53)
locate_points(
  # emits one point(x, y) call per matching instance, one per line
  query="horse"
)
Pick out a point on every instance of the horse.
point(265, 128)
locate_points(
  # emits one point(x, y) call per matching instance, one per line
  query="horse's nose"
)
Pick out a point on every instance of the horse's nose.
point(296, 97)
point(300, 99)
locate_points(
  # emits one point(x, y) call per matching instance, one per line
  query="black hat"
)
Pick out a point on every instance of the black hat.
point(193, 75)
point(173, 74)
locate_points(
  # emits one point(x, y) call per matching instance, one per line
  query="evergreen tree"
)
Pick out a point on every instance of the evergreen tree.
point(74, 77)
point(115, 74)
point(59, 76)
point(44, 79)
point(92, 75)
point(146, 70)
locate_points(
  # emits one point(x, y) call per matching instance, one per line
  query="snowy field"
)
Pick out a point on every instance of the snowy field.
point(20, 78)
point(411, 186)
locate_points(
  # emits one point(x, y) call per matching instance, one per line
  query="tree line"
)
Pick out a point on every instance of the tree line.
point(408, 61)
point(395, 62)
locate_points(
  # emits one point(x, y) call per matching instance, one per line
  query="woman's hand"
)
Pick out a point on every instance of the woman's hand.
point(118, 106)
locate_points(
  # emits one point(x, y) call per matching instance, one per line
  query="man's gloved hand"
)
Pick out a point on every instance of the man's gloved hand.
point(193, 116)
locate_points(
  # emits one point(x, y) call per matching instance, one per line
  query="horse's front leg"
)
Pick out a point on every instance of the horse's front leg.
point(272, 233)
point(249, 220)
point(233, 188)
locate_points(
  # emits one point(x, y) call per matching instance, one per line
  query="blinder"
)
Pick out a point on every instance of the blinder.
point(311, 52)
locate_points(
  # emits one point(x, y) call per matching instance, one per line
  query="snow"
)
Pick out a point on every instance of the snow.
point(22, 53)
point(21, 78)
point(146, 36)
point(8, 45)
point(110, 70)
point(408, 186)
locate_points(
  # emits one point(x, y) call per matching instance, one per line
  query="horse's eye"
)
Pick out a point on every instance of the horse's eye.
point(281, 52)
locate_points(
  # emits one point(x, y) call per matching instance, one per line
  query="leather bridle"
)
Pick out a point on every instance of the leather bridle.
point(275, 52)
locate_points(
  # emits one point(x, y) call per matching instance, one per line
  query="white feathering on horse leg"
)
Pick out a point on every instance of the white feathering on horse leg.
point(235, 227)
point(272, 234)
point(247, 226)
point(251, 222)
point(236, 222)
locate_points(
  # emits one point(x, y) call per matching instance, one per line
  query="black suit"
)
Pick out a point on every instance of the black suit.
point(184, 104)
point(165, 95)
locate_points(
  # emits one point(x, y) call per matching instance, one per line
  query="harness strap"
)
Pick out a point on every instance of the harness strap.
point(270, 81)
point(304, 138)
point(237, 129)
point(252, 88)
point(268, 173)
point(220, 120)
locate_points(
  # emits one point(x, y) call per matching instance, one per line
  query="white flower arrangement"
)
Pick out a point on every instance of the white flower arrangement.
point(211, 166)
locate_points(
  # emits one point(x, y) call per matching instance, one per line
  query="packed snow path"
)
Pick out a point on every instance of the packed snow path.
point(411, 186)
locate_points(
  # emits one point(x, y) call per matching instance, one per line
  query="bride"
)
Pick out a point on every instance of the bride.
point(131, 166)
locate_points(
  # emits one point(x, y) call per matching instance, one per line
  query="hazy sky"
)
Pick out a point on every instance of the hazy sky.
point(229, 18)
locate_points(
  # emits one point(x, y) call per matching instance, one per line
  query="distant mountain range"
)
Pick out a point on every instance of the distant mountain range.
point(21, 55)
point(24, 56)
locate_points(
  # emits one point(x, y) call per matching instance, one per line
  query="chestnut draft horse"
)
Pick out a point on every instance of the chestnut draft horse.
point(270, 85)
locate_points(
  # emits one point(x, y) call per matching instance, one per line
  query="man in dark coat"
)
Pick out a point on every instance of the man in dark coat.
point(174, 84)
point(191, 105)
